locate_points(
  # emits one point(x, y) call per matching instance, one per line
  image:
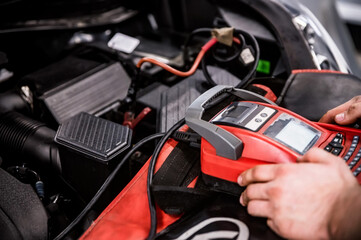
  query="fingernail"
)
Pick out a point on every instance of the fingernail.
point(340, 117)
point(239, 180)
point(241, 200)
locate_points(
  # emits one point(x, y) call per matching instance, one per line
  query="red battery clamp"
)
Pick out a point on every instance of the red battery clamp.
point(249, 133)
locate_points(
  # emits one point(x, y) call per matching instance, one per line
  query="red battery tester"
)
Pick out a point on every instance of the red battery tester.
point(249, 133)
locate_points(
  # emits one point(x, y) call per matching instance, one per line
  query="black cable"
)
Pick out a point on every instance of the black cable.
point(206, 72)
point(235, 55)
point(257, 52)
point(249, 74)
point(9, 2)
point(152, 162)
point(190, 37)
point(105, 185)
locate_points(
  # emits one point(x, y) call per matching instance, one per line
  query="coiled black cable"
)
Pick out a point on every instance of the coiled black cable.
point(191, 36)
point(153, 160)
point(105, 185)
point(239, 34)
point(235, 55)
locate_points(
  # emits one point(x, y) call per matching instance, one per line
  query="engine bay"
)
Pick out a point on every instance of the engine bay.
point(74, 98)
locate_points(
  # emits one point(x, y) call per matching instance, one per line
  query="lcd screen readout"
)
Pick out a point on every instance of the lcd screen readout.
point(296, 136)
point(293, 133)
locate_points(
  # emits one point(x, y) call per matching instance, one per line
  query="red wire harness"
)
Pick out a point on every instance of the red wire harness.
point(296, 71)
point(191, 71)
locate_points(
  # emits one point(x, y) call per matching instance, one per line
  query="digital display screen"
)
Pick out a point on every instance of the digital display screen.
point(293, 133)
point(296, 136)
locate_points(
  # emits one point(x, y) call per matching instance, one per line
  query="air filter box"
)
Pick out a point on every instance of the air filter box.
point(89, 149)
point(82, 82)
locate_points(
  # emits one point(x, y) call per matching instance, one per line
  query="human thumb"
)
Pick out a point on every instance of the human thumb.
point(351, 115)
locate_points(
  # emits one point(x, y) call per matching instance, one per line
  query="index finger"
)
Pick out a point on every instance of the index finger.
point(260, 173)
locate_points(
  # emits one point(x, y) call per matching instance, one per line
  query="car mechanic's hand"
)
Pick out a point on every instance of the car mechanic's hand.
point(317, 198)
point(344, 114)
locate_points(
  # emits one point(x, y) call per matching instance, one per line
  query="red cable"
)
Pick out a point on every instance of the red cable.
point(191, 71)
point(296, 71)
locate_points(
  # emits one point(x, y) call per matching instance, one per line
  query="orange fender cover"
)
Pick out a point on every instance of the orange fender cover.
point(128, 217)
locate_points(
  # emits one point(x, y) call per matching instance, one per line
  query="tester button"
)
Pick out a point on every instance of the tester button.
point(337, 140)
point(336, 145)
point(339, 135)
point(328, 148)
point(357, 171)
point(336, 151)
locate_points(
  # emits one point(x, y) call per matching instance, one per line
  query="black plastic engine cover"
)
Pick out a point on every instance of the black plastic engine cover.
point(89, 147)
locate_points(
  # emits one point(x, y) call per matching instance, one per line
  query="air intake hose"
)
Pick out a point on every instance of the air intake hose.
point(22, 136)
point(12, 101)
